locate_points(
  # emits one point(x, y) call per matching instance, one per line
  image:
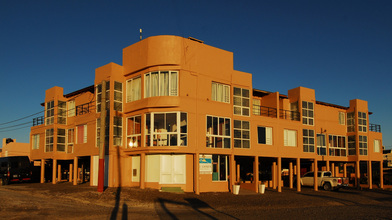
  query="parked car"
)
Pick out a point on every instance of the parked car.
point(15, 169)
point(325, 180)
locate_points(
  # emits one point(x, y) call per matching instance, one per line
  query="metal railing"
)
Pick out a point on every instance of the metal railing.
point(38, 121)
point(264, 111)
point(375, 127)
point(83, 109)
point(289, 115)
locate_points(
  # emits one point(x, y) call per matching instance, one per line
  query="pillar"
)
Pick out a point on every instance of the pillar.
point(54, 179)
point(333, 169)
point(370, 177)
point(357, 174)
point(345, 170)
point(238, 173)
point(71, 172)
point(196, 174)
point(233, 177)
point(298, 175)
point(381, 175)
point(256, 173)
point(273, 169)
point(328, 168)
point(291, 174)
point(142, 170)
point(42, 180)
point(58, 172)
point(315, 168)
point(279, 173)
point(75, 171)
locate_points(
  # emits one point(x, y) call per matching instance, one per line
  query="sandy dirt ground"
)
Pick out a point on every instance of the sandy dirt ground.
point(65, 201)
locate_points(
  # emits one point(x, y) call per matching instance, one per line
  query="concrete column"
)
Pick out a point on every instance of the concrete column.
point(370, 177)
point(142, 170)
point(238, 173)
point(295, 169)
point(333, 169)
point(381, 175)
point(71, 172)
point(315, 168)
point(291, 174)
point(298, 175)
point(336, 170)
point(345, 170)
point(196, 174)
point(327, 162)
point(312, 167)
point(357, 174)
point(58, 172)
point(75, 171)
point(274, 175)
point(256, 173)
point(233, 177)
point(54, 173)
point(42, 180)
point(279, 173)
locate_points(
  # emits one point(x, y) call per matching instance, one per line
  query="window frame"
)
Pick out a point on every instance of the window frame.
point(217, 165)
point(49, 138)
point(136, 136)
point(267, 133)
point(84, 134)
point(220, 88)
point(216, 135)
point(362, 121)
point(306, 112)
point(342, 118)
point(61, 140)
point(35, 141)
point(337, 151)
point(134, 94)
point(70, 140)
point(71, 108)
point(286, 137)
point(153, 91)
point(363, 145)
point(49, 112)
point(308, 141)
point(321, 146)
point(244, 134)
point(244, 105)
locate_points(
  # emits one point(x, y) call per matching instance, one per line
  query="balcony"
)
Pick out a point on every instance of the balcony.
point(83, 109)
point(38, 121)
point(264, 111)
point(375, 128)
point(289, 115)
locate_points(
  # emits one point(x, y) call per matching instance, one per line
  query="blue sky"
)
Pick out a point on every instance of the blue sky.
point(342, 49)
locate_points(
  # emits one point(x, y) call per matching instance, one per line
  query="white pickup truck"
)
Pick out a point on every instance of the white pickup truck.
point(325, 180)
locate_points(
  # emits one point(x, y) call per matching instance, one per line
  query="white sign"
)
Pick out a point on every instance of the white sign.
point(205, 164)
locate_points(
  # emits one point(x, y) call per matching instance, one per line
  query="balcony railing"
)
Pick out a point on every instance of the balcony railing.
point(83, 109)
point(289, 115)
point(264, 111)
point(375, 128)
point(38, 121)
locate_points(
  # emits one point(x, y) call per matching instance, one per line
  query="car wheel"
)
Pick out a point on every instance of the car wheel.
point(327, 186)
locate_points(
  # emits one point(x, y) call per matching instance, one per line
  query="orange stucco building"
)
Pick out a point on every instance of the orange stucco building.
point(13, 148)
point(179, 115)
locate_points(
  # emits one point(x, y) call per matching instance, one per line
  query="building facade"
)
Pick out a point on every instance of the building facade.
point(176, 114)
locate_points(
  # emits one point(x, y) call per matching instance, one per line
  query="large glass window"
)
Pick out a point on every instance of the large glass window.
point(161, 83)
point(351, 122)
point(99, 96)
point(308, 140)
point(70, 140)
point(241, 134)
point(62, 113)
point(290, 138)
point(35, 141)
point(49, 113)
point(363, 145)
point(118, 96)
point(264, 135)
point(321, 145)
point(377, 144)
point(49, 140)
point(362, 121)
point(241, 101)
point(220, 168)
point(117, 131)
point(220, 92)
point(134, 89)
point(71, 108)
point(337, 145)
point(307, 113)
point(352, 145)
point(218, 132)
point(342, 118)
point(134, 131)
point(166, 129)
point(60, 140)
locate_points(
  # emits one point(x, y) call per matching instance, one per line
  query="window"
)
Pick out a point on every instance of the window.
point(118, 96)
point(117, 131)
point(71, 108)
point(99, 96)
point(307, 113)
point(363, 145)
point(134, 131)
point(362, 122)
point(342, 118)
point(49, 140)
point(161, 83)
point(256, 106)
point(35, 141)
point(308, 140)
point(62, 113)
point(220, 168)
point(134, 89)
point(377, 146)
point(220, 92)
point(337, 145)
point(241, 134)
point(166, 129)
point(60, 140)
point(70, 140)
point(241, 101)
point(264, 135)
point(352, 145)
point(82, 134)
point(49, 113)
point(290, 138)
point(351, 122)
point(321, 145)
point(218, 132)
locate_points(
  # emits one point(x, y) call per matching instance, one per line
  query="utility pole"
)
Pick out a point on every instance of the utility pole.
point(101, 171)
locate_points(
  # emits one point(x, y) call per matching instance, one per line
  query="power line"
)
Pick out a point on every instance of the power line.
point(21, 118)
